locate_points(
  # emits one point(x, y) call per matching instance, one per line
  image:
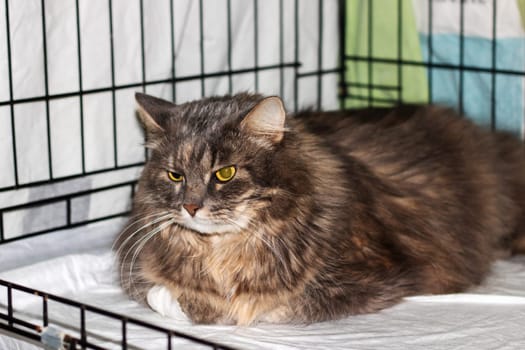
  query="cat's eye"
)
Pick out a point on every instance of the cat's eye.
point(175, 177)
point(225, 174)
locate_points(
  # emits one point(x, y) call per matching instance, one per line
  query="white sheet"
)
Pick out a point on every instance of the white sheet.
point(491, 316)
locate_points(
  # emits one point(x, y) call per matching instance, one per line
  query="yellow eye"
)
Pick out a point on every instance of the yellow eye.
point(175, 177)
point(225, 174)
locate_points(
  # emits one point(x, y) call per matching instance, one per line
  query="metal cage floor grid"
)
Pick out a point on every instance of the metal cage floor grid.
point(39, 332)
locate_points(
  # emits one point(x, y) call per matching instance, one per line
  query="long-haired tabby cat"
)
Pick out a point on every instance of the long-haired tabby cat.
point(247, 214)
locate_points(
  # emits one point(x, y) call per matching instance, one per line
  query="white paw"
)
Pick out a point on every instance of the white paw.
point(160, 299)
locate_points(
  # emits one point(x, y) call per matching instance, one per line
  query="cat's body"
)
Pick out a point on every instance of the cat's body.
point(341, 213)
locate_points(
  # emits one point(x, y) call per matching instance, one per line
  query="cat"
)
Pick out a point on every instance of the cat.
point(247, 214)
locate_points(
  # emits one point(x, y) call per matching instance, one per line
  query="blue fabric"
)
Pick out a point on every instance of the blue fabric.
point(477, 86)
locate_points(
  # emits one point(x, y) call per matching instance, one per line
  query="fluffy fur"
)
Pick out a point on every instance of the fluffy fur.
point(328, 215)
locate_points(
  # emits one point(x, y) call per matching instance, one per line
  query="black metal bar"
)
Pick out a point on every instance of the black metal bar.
point(169, 341)
point(11, 96)
point(143, 55)
point(68, 211)
point(229, 20)
point(74, 342)
point(370, 50)
point(133, 190)
point(173, 68)
point(342, 52)
point(430, 51)
point(45, 315)
point(320, 55)
point(1, 226)
point(63, 227)
point(296, 55)
point(113, 97)
point(374, 86)
point(142, 45)
point(40, 202)
point(281, 47)
point(154, 82)
point(9, 305)
point(436, 65)
point(461, 53)
point(124, 334)
point(400, 49)
point(201, 46)
point(103, 312)
point(493, 76)
point(65, 198)
point(318, 72)
point(81, 88)
point(256, 43)
point(20, 322)
point(46, 89)
point(70, 177)
point(20, 332)
point(88, 345)
point(83, 337)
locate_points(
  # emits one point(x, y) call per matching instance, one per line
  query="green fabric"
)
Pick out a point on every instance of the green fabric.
point(412, 86)
point(521, 6)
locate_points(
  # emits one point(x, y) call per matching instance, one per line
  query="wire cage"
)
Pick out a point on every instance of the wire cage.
point(465, 54)
point(71, 150)
point(105, 97)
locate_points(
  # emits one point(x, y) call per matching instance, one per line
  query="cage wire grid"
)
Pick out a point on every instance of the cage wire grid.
point(289, 69)
point(37, 332)
point(66, 200)
point(363, 91)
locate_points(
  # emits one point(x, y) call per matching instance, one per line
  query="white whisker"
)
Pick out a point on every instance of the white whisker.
point(141, 243)
point(163, 216)
point(138, 219)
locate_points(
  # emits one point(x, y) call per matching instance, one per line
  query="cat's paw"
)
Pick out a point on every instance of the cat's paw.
point(162, 301)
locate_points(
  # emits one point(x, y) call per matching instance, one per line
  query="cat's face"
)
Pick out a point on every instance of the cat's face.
point(210, 164)
point(207, 187)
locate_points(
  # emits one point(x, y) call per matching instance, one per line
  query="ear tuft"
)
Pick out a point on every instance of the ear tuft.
point(152, 111)
point(266, 119)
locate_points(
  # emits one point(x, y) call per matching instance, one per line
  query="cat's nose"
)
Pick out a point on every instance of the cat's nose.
point(191, 208)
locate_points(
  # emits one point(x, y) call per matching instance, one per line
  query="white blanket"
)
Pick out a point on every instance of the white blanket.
point(491, 316)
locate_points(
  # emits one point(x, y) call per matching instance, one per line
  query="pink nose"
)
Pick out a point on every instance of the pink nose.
point(191, 208)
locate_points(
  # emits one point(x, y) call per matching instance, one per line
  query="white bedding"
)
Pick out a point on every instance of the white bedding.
point(491, 316)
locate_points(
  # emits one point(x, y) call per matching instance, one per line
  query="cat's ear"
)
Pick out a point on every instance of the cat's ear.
point(266, 120)
point(152, 111)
